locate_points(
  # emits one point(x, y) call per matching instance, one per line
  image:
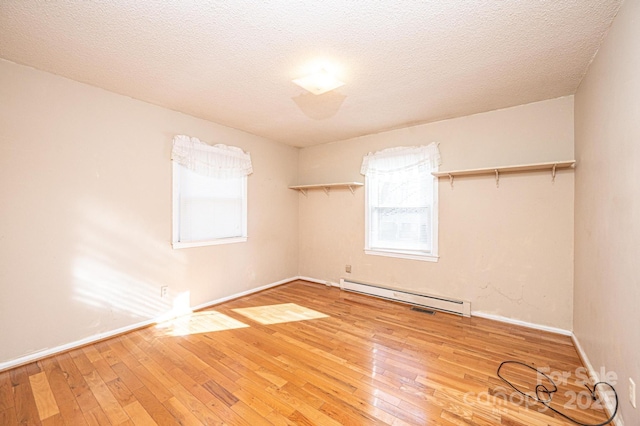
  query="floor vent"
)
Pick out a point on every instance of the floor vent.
point(423, 310)
point(421, 300)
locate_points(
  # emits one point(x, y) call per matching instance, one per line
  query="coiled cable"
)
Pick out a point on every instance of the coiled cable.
point(544, 395)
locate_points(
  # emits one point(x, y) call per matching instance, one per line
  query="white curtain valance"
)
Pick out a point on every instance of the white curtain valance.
point(211, 160)
point(401, 158)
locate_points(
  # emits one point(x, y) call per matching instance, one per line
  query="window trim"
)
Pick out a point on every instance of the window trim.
point(402, 254)
point(175, 219)
point(219, 241)
point(432, 256)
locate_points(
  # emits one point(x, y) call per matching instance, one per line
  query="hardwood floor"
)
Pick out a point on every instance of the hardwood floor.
point(307, 355)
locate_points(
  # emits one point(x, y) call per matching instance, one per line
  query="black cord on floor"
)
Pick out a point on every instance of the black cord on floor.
point(548, 394)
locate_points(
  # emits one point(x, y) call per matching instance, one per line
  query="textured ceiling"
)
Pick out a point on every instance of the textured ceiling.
point(404, 61)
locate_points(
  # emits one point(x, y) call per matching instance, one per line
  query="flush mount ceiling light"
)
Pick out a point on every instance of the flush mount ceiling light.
point(319, 82)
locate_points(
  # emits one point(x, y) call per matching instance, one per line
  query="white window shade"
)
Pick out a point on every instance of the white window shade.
point(210, 208)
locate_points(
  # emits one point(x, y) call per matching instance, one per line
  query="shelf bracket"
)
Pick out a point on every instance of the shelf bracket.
point(352, 189)
point(451, 180)
point(553, 173)
point(304, 191)
point(497, 178)
point(326, 189)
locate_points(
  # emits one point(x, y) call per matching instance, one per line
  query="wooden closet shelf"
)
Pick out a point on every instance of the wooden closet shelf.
point(553, 166)
point(506, 169)
point(327, 186)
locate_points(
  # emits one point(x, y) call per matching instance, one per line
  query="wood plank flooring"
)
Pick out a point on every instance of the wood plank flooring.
point(304, 354)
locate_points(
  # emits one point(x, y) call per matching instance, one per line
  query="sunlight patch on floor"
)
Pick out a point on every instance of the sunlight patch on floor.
point(199, 322)
point(276, 314)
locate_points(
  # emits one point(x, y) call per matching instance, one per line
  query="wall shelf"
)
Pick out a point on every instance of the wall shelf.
point(552, 166)
point(327, 186)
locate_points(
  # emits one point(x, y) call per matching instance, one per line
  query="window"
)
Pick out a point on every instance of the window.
point(209, 193)
point(401, 214)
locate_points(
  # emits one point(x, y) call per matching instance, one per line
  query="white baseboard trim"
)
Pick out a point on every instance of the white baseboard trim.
point(106, 335)
point(583, 356)
point(609, 404)
point(317, 281)
point(70, 346)
point(242, 294)
point(521, 323)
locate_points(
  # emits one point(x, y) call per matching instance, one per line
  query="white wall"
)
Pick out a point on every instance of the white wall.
point(85, 221)
point(508, 250)
point(607, 227)
point(85, 216)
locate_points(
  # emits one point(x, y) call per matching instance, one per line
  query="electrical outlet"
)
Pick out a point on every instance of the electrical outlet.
point(347, 269)
point(164, 291)
point(632, 392)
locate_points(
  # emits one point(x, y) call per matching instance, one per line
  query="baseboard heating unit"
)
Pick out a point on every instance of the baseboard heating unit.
point(438, 303)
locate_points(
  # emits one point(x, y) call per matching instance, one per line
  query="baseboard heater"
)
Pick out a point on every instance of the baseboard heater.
point(438, 303)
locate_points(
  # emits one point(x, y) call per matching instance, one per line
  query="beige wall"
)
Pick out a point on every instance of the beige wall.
point(508, 250)
point(607, 227)
point(85, 216)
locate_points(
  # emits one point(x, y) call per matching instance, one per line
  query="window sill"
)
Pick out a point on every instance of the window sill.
point(180, 245)
point(402, 255)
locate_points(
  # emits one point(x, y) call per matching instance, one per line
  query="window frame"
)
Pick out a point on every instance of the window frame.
point(431, 256)
point(175, 242)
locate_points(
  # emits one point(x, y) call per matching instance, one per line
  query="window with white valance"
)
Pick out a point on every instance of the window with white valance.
point(401, 213)
point(209, 193)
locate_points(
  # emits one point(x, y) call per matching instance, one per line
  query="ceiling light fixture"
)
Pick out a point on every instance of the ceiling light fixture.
point(319, 82)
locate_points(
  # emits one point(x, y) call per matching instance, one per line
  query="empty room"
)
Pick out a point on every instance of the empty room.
point(319, 212)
